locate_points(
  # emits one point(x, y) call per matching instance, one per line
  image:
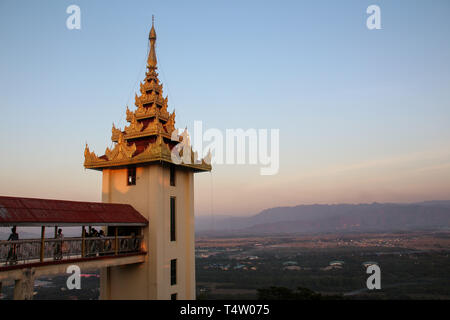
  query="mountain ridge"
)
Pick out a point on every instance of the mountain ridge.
point(315, 218)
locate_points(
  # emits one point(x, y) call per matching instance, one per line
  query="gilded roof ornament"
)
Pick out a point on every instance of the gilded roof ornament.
point(170, 124)
point(151, 61)
point(90, 156)
point(121, 150)
point(134, 126)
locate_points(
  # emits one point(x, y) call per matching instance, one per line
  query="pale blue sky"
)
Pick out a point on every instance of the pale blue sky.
point(371, 103)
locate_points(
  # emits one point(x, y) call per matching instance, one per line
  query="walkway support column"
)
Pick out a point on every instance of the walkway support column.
point(42, 243)
point(83, 245)
point(23, 288)
point(116, 251)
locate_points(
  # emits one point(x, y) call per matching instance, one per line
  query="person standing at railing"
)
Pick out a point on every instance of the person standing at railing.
point(12, 254)
point(96, 243)
point(93, 233)
point(101, 235)
point(133, 242)
point(59, 245)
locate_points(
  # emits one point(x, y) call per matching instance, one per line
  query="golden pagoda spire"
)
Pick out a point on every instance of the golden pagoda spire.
point(151, 62)
point(148, 137)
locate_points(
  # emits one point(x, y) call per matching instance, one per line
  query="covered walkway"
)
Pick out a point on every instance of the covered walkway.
point(119, 242)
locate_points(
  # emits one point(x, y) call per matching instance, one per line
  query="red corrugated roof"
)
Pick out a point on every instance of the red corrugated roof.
point(31, 211)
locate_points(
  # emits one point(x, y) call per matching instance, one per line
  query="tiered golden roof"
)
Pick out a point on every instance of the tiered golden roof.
point(149, 136)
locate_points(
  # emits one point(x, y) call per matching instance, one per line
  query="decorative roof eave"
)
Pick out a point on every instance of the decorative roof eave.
point(139, 101)
point(141, 134)
point(145, 113)
point(152, 85)
point(151, 75)
point(105, 164)
point(134, 130)
point(122, 155)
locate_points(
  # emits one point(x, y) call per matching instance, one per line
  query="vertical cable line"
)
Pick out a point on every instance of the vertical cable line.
point(166, 83)
point(212, 201)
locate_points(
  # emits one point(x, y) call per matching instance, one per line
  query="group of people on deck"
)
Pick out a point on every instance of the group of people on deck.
point(96, 247)
point(93, 243)
point(94, 233)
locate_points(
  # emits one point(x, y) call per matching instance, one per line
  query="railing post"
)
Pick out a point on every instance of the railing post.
point(83, 246)
point(42, 243)
point(116, 251)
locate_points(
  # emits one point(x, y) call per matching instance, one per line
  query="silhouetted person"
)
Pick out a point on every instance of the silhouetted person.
point(59, 244)
point(92, 244)
point(14, 235)
point(93, 233)
point(12, 254)
point(101, 243)
point(134, 242)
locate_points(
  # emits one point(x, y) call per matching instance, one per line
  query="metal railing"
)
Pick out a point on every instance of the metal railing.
point(30, 251)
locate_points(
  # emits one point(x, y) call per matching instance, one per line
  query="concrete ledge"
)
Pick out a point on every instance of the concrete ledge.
point(59, 267)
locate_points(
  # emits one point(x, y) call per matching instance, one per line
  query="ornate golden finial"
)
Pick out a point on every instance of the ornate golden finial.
point(151, 62)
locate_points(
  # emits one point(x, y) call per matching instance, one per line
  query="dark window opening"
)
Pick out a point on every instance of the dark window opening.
point(173, 296)
point(172, 219)
point(172, 176)
point(131, 180)
point(173, 272)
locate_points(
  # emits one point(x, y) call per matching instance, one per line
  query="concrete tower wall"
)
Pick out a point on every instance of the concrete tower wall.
point(151, 197)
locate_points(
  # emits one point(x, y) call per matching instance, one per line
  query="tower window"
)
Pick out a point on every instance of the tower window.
point(173, 272)
point(172, 176)
point(173, 296)
point(172, 219)
point(131, 180)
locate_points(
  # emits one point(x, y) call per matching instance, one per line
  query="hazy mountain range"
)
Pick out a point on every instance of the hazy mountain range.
point(374, 217)
point(317, 218)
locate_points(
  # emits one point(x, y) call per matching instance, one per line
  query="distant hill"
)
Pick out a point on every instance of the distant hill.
point(379, 217)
